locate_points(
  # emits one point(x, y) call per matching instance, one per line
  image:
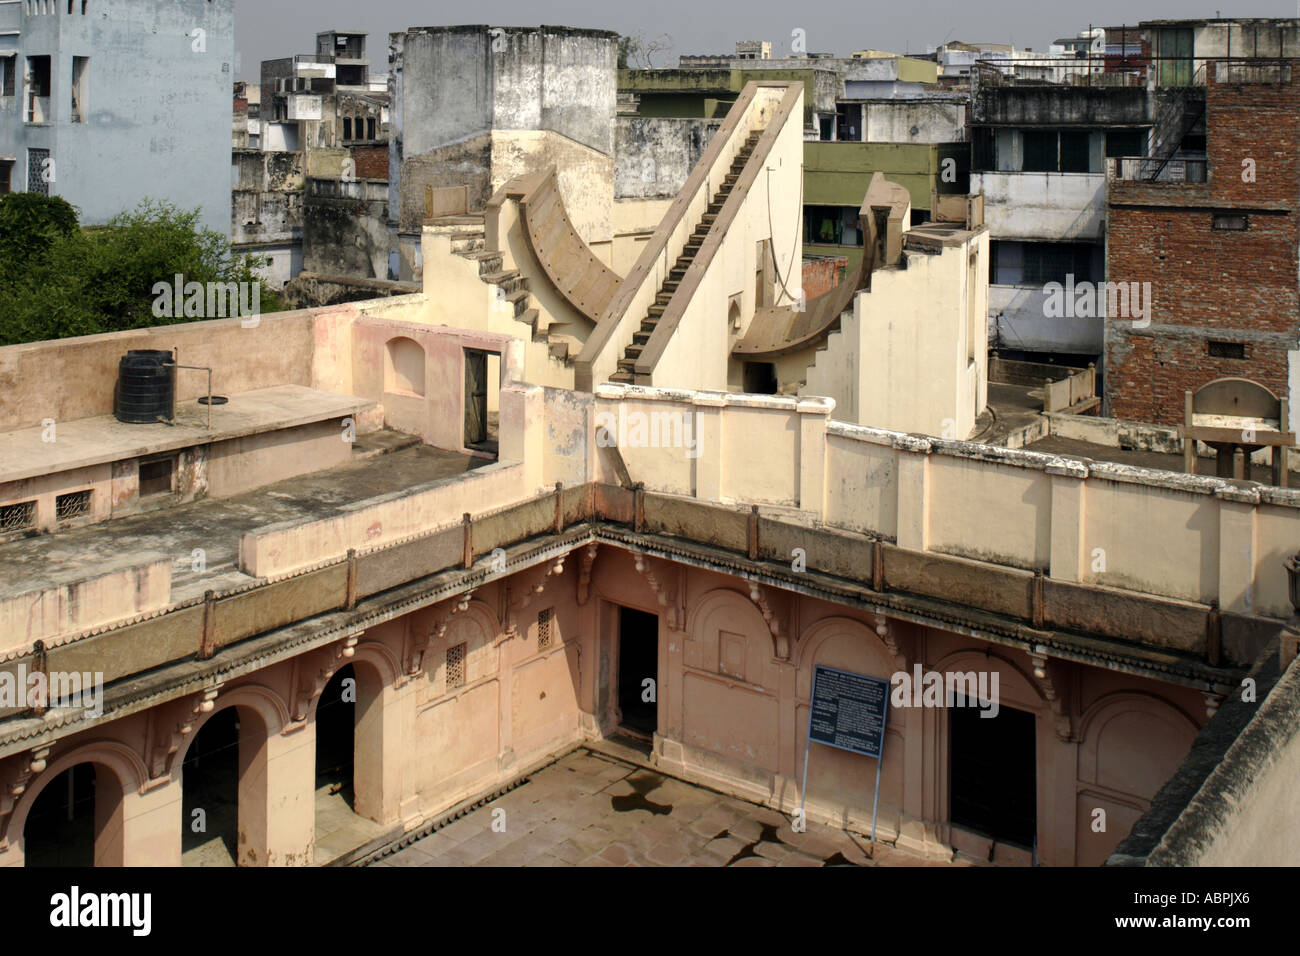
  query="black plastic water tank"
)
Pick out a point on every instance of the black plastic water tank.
point(146, 387)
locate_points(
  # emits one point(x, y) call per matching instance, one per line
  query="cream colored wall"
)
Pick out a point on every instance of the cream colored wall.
point(1179, 536)
point(915, 372)
point(699, 353)
point(635, 221)
point(586, 177)
point(457, 297)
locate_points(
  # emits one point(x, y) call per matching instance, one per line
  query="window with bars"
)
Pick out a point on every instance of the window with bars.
point(543, 629)
point(75, 505)
point(18, 517)
point(38, 174)
point(456, 666)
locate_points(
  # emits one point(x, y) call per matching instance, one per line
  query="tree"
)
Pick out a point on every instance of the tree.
point(637, 53)
point(58, 280)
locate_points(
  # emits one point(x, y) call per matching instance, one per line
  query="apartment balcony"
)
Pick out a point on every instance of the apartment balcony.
point(1152, 169)
point(1049, 207)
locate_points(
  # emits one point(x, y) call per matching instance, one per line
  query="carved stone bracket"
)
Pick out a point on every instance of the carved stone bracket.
point(1212, 702)
point(643, 568)
point(584, 572)
point(780, 642)
point(169, 743)
point(515, 605)
point(36, 762)
point(420, 644)
point(344, 650)
point(1047, 687)
point(890, 640)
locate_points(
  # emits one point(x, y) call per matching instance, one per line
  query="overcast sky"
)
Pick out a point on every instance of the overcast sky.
point(266, 29)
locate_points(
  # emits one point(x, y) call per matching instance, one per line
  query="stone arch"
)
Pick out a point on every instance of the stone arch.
point(130, 776)
point(377, 751)
point(1169, 730)
point(817, 634)
point(1025, 693)
point(477, 628)
point(254, 797)
point(744, 650)
point(404, 366)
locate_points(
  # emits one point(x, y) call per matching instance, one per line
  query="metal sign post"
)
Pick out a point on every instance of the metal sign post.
point(847, 711)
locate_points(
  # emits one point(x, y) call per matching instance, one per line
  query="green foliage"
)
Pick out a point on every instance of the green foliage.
point(57, 280)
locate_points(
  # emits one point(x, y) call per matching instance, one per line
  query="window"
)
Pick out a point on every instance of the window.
point(1038, 263)
point(1228, 350)
point(832, 225)
point(8, 78)
point(75, 505)
point(6, 176)
point(456, 666)
point(1231, 222)
point(543, 629)
point(370, 128)
point(1040, 151)
point(156, 477)
point(38, 89)
point(1074, 152)
point(19, 517)
point(347, 127)
point(80, 79)
point(38, 171)
point(1126, 142)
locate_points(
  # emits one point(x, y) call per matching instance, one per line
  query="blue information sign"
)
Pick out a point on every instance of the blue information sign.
point(848, 711)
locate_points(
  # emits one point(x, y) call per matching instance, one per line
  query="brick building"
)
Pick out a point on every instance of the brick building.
point(1216, 238)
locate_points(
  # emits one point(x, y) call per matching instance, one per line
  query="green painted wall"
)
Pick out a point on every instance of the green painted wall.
point(838, 174)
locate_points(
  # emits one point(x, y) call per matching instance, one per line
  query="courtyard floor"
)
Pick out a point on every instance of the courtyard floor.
point(593, 809)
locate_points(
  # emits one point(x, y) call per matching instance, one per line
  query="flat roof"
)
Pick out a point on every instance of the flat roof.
point(24, 453)
point(383, 463)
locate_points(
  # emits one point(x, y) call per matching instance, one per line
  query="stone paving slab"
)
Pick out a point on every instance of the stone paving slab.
point(590, 809)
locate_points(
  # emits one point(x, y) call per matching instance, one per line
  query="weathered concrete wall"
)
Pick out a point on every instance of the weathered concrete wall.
point(158, 106)
point(653, 156)
point(1018, 320)
point(915, 121)
point(345, 228)
point(458, 92)
point(1053, 207)
point(1057, 105)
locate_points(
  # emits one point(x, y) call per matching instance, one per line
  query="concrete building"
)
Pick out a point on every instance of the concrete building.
point(109, 102)
point(311, 195)
point(1205, 221)
point(477, 106)
point(1038, 155)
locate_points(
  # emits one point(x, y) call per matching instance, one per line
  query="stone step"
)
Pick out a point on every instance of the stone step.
point(655, 311)
point(559, 350)
point(627, 365)
point(499, 278)
point(663, 298)
point(529, 317)
point(671, 286)
point(641, 337)
point(633, 351)
point(622, 378)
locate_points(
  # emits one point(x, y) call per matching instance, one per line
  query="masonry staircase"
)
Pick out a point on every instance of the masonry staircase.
point(509, 286)
point(627, 364)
